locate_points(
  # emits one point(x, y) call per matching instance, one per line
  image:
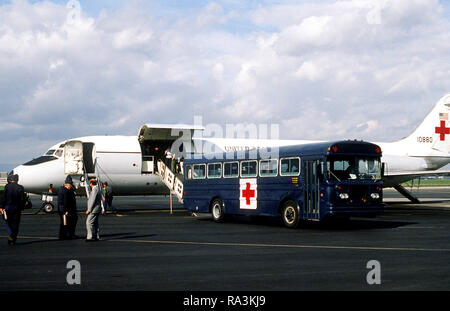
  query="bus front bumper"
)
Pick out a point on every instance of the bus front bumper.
point(360, 210)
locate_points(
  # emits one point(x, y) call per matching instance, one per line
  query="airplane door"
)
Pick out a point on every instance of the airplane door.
point(311, 206)
point(73, 158)
point(89, 157)
point(156, 139)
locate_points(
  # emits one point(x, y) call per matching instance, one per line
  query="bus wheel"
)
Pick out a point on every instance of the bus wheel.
point(217, 210)
point(289, 214)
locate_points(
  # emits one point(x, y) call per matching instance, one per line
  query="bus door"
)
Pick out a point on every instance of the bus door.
point(311, 204)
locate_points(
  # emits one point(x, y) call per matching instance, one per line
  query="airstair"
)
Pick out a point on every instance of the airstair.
point(172, 182)
point(96, 176)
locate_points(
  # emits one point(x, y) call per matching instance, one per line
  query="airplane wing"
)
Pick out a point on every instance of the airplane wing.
point(417, 173)
point(391, 179)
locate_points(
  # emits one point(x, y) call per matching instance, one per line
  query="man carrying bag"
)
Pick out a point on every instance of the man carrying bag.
point(13, 202)
point(67, 208)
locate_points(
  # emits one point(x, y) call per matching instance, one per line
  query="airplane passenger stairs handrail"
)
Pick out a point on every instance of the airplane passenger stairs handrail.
point(99, 184)
point(86, 184)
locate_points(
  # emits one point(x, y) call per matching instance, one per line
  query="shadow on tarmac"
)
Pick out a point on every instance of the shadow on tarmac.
point(353, 224)
point(104, 237)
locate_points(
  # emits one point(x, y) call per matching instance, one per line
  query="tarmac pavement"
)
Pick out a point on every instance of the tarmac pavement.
point(144, 247)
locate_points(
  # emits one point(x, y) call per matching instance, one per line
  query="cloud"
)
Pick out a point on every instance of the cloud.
point(308, 70)
point(321, 70)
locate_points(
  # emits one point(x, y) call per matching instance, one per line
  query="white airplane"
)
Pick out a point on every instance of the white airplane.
point(128, 163)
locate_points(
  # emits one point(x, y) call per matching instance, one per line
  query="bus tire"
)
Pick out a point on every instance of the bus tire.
point(289, 214)
point(217, 210)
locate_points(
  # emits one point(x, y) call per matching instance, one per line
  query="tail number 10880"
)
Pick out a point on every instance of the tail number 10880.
point(424, 139)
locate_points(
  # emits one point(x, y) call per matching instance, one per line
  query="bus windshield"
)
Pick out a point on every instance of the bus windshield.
point(353, 168)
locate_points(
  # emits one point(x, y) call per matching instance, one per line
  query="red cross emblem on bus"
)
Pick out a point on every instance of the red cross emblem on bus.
point(442, 130)
point(248, 193)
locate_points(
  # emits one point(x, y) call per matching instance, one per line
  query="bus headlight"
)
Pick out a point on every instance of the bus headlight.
point(375, 196)
point(343, 196)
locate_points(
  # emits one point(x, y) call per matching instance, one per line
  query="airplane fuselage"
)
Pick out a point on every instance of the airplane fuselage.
point(127, 163)
point(119, 162)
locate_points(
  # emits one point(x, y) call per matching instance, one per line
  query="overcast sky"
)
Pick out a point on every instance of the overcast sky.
point(320, 69)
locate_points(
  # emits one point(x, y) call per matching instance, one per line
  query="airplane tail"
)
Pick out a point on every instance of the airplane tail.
point(432, 136)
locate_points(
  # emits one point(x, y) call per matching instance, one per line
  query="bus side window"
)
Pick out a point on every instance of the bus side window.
point(268, 168)
point(189, 172)
point(249, 168)
point(214, 170)
point(199, 171)
point(290, 167)
point(231, 169)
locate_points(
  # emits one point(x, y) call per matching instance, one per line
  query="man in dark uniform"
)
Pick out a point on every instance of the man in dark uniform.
point(13, 202)
point(108, 196)
point(67, 208)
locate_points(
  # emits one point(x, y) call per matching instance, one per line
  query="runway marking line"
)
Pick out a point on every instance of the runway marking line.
point(257, 244)
point(284, 245)
point(406, 227)
point(33, 237)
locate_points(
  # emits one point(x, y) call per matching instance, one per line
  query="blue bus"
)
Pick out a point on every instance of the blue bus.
point(304, 182)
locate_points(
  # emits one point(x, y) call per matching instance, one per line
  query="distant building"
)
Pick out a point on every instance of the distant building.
point(3, 176)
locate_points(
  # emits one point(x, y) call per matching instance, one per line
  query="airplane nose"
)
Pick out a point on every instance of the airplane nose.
point(19, 172)
point(35, 178)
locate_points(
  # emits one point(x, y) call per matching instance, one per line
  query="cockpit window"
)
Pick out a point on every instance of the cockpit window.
point(59, 153)
point(40, 160)
point(50, 152)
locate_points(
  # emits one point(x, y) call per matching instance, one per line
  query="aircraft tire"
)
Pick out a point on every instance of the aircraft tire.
point(48, 208)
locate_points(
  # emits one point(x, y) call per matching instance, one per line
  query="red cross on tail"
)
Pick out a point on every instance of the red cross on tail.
point(442, 130)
